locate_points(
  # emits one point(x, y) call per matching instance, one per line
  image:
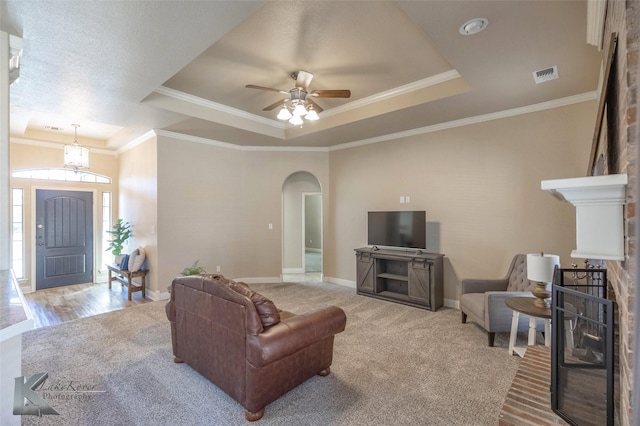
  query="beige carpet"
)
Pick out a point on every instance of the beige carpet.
point(393, 365)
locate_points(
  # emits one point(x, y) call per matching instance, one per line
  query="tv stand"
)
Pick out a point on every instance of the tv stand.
point(410, 277)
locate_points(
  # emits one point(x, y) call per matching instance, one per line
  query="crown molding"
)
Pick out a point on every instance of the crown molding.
point(589, 96)
point(196, 100)
point(392, 93)
point(137, 141)
point(227, 145)
point(378, 97)
point(556, 103)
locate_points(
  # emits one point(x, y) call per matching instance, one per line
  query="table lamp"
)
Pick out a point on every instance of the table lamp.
point(540, 268)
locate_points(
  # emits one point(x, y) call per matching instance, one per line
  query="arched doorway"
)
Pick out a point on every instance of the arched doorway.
point(302, 225)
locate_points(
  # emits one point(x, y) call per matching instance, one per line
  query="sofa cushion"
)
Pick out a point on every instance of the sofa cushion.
point(267, 311)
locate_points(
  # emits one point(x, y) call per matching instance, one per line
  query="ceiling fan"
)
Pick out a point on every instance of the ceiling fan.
point(299, 102)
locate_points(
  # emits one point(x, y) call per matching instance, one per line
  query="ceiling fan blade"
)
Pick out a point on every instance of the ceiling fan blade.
point(303, 79)
point(274, 105)
point(331, 93)
point(317, 107)
point(270, 89)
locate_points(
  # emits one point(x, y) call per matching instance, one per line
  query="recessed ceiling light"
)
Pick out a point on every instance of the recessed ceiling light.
point(474, 26)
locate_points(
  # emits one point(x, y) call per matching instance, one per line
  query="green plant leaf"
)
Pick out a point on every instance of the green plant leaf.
point(121, 232)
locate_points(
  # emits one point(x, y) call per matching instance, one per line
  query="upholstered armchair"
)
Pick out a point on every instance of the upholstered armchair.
point(482, 300)
point(244, 344)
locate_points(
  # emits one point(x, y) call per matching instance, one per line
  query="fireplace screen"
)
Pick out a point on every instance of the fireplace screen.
point(582, 348)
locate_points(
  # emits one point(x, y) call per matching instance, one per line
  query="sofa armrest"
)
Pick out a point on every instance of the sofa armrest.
point(470, 285)
point(294, 333)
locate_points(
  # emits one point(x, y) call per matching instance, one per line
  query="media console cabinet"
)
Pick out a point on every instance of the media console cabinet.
point(410, 277)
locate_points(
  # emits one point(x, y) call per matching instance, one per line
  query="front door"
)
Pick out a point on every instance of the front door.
point(64, 238)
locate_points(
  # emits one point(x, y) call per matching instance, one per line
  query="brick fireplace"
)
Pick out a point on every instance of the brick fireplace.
point(623, 17)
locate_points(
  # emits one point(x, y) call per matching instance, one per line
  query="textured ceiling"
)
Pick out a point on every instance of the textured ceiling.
point(120, 69)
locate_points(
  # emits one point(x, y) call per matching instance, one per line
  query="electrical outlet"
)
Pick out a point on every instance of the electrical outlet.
point(271, 226)
point(218, 268)
point(407, 199)
point(402, 200)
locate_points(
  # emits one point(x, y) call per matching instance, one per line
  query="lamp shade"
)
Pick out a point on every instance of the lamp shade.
point(312, 115)
point(299, 110)
point(296, 120)
point(540, 266)
point(284, 114)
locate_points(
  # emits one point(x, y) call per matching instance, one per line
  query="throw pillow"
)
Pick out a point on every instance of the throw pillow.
point(124, 263)
point(135, 262)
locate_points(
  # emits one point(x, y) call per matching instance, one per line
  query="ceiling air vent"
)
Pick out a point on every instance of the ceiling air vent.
point(546, 74)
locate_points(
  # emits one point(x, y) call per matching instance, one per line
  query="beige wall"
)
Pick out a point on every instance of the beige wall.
point(198, 208)
point(215, 205)
point(138, 205)
point(264, 176)
point(480, 187)
point(26, 156)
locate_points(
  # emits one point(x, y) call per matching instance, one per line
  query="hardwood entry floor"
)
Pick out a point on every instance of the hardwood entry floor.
point(60, 304)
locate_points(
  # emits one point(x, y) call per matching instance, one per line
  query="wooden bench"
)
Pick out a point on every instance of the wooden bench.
point(124, 277)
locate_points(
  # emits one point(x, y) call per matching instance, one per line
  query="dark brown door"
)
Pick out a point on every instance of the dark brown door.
point(64, 238)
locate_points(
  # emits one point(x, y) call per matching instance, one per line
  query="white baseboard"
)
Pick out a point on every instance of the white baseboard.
point(451, 303)
point(158, 295)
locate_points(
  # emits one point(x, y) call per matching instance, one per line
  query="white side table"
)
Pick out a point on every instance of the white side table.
point(526, 306)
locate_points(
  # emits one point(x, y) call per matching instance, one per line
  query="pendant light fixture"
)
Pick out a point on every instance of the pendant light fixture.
point(75, 155)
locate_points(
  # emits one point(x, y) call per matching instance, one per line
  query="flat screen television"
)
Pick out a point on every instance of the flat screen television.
point(397, 229)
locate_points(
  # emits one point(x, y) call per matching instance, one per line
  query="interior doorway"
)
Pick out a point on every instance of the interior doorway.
point(64, 238)
point(302, 225)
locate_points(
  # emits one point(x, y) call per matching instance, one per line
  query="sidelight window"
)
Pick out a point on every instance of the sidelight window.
point(17, 232)
point(106, 220)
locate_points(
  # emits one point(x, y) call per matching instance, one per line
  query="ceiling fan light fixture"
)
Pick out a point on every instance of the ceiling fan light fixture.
point(312, 114)
point(284, 113)
point(297, 105)
point(296, 120)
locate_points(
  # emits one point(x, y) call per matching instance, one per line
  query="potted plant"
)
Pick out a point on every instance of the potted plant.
point(121, 232)
point(193, 269)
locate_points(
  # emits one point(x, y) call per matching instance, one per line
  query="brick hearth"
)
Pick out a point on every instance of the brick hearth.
point(529, 399)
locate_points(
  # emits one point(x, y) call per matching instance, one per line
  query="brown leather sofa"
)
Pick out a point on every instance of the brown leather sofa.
point(240, 341)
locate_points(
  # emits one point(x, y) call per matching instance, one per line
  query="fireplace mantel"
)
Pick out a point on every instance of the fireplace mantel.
point(599, 202)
